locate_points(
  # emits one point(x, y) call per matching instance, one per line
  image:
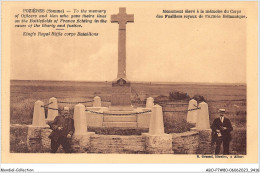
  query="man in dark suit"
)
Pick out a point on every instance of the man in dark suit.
point(63, 129)
point(221, 129)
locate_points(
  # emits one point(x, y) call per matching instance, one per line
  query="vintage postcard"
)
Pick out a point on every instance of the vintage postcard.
point(129, 82)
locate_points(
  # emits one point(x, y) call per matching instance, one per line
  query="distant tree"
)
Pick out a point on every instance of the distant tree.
point(176, 95)
point(161, 98)
point(199, 98)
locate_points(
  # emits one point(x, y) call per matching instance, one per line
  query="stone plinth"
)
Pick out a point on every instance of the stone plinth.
point(38, 114)
point(202, 122)
point(121, 95)
point(97, 101)
point(203, 127)
point(192, 115)
point(51, 112)
point(156, 141)
point(80, 120)
point(158, 144)
point(80, 139)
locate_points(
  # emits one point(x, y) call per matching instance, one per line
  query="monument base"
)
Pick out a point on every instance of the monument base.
point(121, 95)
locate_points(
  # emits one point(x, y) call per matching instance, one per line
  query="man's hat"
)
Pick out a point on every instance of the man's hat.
point(222, 110)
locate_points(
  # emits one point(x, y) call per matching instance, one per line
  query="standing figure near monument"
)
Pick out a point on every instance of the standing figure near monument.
point(63, 129)
point(221, 129)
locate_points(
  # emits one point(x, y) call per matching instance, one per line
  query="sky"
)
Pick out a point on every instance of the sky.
point(157, 50)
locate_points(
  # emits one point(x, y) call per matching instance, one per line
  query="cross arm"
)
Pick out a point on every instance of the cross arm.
point(114, 18)
point(130, 18)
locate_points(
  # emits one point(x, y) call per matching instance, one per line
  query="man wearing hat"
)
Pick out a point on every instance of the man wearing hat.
point(221, 129)
point(63, 129)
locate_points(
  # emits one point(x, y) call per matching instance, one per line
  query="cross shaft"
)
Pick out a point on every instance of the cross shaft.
point(122, 18)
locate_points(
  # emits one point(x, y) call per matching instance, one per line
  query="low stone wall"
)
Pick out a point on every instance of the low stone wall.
point(38, 139)
point(18, 138)
point(205, 144)
point(35, 140)
point(117, 144)
point(185, 143)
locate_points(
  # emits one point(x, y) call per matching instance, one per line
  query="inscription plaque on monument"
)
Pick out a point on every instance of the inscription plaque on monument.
point(121, 87)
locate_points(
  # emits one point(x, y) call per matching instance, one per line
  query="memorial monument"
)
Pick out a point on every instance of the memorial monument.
point(121, 114)
point(121, 87)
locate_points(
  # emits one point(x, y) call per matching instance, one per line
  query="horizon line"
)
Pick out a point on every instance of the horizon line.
point(155, 82)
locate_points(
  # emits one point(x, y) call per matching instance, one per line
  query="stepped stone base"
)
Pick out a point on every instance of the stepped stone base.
point(135, 120)
point(120, 120)
point(121, 108)
point(120, 124)
point(117, 112)
point(130, 118)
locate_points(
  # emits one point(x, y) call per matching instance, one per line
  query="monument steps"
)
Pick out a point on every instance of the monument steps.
point(126, 118)
point(119, 124)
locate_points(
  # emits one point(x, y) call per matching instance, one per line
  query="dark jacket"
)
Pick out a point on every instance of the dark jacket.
point(217, 125)
point(61, 121)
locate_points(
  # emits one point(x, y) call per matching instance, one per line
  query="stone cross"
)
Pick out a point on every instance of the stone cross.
point(122, 18)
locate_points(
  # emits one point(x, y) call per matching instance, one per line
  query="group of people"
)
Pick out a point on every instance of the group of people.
point(63, 129)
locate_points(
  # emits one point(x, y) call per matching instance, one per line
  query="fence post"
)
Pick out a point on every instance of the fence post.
point(80, 120)
point(81, 137)
point(156, 141)
point(38, 114)
point(156, 122)
point(54, 105)
point(35, 138)
point(97, 102)
point(192, 115)
point(202, 122)
point(203, 127)
point(149, 102)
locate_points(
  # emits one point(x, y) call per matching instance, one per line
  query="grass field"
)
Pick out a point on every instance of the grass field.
point(230, 97)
